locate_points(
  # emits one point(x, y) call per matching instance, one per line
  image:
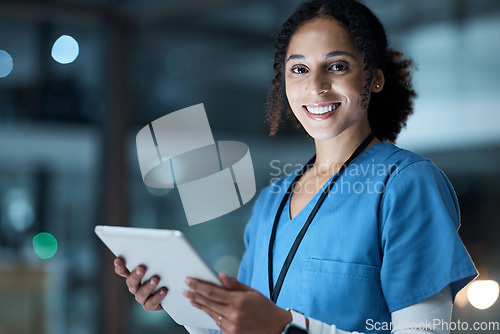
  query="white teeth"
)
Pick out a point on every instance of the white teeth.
point(321, 110)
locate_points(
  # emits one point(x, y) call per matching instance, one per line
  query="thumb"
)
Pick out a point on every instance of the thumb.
point(232, 283)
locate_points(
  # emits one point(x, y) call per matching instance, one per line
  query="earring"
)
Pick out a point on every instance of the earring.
point(378, 86)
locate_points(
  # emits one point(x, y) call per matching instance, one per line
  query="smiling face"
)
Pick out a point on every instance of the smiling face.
point(325, 79)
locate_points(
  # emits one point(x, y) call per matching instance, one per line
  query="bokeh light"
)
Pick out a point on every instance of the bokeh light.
point(461, 298)
point(178, 62)
point(483, 294)
point(65, 49)
point(6, 64)
point(19, 209)
point(44, 245)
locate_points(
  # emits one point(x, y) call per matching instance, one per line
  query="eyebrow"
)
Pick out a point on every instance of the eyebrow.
point(329, 55)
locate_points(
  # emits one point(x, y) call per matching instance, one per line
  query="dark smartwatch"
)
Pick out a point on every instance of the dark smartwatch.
point(298, 324)
point(293, 329)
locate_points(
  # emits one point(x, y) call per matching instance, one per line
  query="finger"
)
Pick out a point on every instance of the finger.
point(153, 302)
point(202, 300)
point(208, 290)
point(219, 319)
point(232, 283)
point(145, 290)
point(134, 279)
point(120, 268)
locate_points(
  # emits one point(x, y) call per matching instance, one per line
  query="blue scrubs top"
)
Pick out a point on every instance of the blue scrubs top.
point(384, 238)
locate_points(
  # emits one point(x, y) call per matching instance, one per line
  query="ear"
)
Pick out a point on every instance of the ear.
point(378, 81)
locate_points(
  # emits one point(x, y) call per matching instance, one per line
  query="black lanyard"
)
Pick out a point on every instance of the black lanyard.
point(275, 291)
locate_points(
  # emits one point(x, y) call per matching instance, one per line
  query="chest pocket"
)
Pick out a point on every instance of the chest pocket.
point(341, 293)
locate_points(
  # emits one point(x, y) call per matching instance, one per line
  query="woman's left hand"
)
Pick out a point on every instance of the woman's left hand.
point(237, 308)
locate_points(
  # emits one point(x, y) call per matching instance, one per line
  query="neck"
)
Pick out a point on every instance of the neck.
point(332, 153)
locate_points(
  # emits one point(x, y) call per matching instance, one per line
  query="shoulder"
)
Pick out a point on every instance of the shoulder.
point(270, 196)
point(392, 154)
point(417, 182)
point(267, 202)
point(276, 189)
point(403, 163)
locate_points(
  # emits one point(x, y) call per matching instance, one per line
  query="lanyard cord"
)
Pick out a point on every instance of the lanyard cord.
point(274, 291)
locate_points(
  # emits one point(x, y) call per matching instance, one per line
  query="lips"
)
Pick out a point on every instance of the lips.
point(321, 111)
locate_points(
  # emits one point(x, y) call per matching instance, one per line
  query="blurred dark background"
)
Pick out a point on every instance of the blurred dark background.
point(67, 136)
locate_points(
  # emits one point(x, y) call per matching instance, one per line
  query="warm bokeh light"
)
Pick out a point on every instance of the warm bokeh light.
point(483, 294)
point(65, 49)
point(6, 64)
point(461, 298)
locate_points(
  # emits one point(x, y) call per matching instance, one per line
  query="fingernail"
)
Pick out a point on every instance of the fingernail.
point(185, 294)
point(162, 292)
point(188, 281)
point(138, 271)
point(152, 282)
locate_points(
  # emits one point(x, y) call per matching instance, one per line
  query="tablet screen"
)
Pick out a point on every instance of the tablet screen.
point(168, 255)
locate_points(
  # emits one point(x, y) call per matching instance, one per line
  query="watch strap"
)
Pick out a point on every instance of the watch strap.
point(298, 319)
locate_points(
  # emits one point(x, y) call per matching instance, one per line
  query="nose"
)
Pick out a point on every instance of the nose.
point(318, 84)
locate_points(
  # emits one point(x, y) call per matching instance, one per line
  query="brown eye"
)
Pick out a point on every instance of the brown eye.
point(338, 67)
point(298, 70)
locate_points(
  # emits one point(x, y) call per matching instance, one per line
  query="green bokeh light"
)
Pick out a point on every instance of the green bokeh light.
point(45, 245)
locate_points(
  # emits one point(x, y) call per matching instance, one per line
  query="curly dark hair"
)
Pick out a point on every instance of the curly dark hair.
point(389, 109)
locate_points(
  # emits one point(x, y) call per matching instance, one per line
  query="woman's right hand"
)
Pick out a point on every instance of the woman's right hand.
point(142, 292)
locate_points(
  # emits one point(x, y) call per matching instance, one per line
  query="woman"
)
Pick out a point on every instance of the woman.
point(366, 239)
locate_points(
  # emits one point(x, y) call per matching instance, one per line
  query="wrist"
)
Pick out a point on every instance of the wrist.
point(285, 318)
point(298, 325)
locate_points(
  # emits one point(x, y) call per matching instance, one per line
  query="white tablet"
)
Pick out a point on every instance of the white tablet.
point(170, 256)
